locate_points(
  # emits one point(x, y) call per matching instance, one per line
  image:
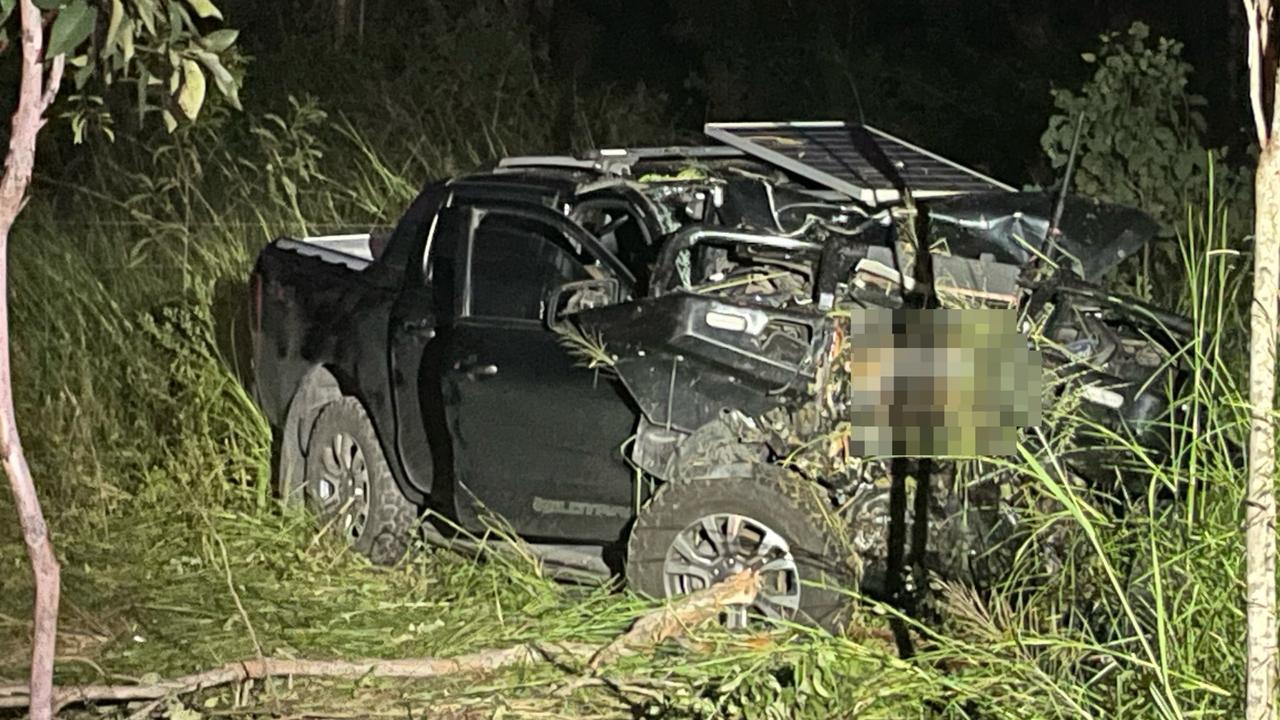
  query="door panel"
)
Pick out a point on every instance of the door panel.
point(426, 305)
point(537, 438)
point(494, 413)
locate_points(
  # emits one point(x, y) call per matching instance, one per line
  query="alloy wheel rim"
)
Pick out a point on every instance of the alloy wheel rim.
point(716, 546)
point(342, 488)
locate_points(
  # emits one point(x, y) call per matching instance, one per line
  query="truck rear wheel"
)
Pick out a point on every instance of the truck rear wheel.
point(349, 487)
point(695, 532)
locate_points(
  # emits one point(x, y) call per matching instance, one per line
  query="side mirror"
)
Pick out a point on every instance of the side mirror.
point(573, 297)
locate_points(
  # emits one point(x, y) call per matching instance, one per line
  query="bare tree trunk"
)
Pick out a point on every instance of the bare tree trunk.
point(341, 21)
point(34, 98)
point(1260, 498)
point(1260, 505)
point(360, 26)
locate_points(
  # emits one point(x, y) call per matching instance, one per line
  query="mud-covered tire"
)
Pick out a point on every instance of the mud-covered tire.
point(382, 521)
point(713, 451)
point(790, 506)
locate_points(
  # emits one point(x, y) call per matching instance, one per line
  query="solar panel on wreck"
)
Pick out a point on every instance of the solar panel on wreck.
point(828, 153)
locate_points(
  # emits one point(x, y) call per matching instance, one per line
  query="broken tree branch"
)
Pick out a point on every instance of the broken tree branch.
point(260, 668)
point(53, 83)
point(645, 633)
point(694, 609)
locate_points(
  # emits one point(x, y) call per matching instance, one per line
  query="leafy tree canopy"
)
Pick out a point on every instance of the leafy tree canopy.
point(170, 51)
point(1142, 143)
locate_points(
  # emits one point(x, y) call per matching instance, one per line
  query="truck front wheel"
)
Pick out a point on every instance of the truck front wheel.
point(696, 532)
point(350, 488)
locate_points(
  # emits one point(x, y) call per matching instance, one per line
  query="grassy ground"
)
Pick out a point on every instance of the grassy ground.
point(152, 465)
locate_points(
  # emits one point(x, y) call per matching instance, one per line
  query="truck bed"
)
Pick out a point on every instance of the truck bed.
point(352, 251)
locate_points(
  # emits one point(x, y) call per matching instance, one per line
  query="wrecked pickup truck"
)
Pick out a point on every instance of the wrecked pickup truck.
point(625, 358)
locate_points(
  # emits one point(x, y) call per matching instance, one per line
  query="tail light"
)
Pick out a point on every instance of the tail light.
point(255, 307)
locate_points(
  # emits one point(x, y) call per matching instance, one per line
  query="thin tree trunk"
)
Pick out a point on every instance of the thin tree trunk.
point(34, 98)
point(1260, 498)
point(342, 20)
point(360, 26)
point(1260, 506)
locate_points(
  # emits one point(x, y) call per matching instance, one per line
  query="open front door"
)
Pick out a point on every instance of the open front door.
point(427, 306)
point(520, 429)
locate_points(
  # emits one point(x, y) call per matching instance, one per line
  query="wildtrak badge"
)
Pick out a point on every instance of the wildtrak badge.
point(547, 506)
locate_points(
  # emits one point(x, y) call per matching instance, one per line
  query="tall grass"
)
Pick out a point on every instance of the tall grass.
point(128, 350)
point(1142, 617)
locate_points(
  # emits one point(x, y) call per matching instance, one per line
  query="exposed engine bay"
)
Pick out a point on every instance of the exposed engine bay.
point(748, 305)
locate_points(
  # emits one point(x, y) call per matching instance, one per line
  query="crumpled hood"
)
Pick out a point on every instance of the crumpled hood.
point(1096, 235)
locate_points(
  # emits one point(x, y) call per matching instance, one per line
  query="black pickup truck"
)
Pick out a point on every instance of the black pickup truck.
point(624, 357)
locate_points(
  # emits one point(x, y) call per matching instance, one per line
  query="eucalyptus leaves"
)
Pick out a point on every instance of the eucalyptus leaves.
point(170, 51)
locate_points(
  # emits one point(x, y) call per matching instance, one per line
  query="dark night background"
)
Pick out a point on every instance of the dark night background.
point(969, 79)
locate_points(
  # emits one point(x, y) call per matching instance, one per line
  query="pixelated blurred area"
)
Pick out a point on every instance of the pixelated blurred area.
point(936, 382)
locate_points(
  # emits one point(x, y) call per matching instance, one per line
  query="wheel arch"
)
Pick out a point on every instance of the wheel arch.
point(716, 449)
point(318, 388)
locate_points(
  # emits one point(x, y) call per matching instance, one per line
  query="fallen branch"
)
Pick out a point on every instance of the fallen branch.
point(261, 668)
point(690, 611)
point(647, 632)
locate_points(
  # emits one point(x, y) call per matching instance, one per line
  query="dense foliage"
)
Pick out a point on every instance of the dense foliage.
point(1143, 143)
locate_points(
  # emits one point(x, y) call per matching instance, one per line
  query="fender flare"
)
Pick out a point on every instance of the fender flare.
point(318, 388)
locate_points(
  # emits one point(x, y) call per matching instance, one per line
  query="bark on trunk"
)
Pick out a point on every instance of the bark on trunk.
point(360, 25)
point(34, 98)
point(1260, 499)
point(341, 22)
point(1260, 506)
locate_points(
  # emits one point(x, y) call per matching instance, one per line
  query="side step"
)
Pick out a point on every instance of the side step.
point(573, 563)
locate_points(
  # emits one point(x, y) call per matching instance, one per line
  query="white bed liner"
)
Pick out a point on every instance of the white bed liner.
point(353, 250)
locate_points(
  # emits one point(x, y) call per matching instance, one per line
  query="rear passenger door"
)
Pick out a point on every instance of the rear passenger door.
point(536, 438)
